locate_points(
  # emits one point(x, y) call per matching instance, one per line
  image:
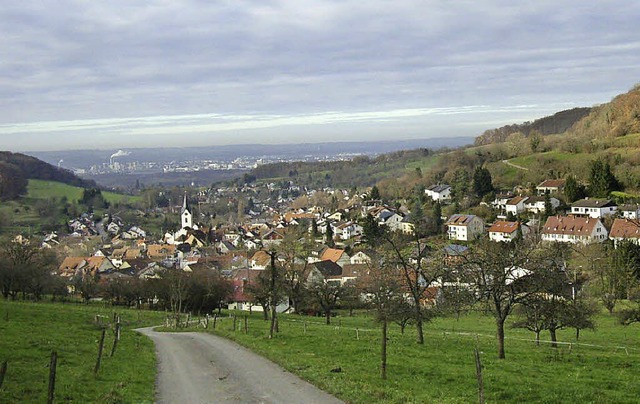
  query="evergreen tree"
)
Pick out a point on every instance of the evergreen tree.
point(482, 183)
point(436, 217)
point(329, 235)
point(372, 231)
point(602, 181)
point(573, 190)
point(548, 208)
point(375, 193)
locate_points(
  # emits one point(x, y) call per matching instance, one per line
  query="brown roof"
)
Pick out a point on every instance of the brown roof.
point(552, 183)
point(579, 226)
point(71, 263)
point(332, 254)
point(625, 228)
point(160, 250)
point(261, 258)
point(132, 253)
point(502, 226)
point(516, 200)
point(460, 220)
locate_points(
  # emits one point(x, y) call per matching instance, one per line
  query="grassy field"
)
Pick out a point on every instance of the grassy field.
point(30, 331)
point(39, 189)
point(602, 367)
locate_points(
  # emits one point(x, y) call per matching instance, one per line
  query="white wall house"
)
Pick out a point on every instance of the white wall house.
point(574, 229)
point(505, 231)
point(630, 211)
point(515, 205)
point(595, 208)
point(440, 192)
point(535, 204)
point(625, 229)
point(464, 227)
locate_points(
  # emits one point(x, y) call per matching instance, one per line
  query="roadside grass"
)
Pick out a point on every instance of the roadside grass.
point(29, 332)
point(602, 367)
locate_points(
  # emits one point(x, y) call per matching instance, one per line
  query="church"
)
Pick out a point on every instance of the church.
point(186, 220)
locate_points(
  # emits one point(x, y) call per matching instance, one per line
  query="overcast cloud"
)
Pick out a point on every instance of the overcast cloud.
point(77, 74)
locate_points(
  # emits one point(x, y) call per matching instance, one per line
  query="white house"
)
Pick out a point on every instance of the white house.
point(551, 186)
point(464, 227)
point(506, 231)
point(630, 211)
point(515, 205)
point(625, 229)
point(441, 192)
point(574, 229)
point(535, 204)
point(595, 208)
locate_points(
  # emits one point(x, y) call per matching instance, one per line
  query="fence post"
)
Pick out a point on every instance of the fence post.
point(234, 322)
point(246, 324)
point(305, 328)
point(479, 377)
point(52, 377)
point(215, 319)
point(357, 334)
point(3, 371)
point(116, 337)
point(100, 348)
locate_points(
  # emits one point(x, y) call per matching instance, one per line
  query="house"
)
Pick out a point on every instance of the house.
point(405, 226)
point(500, 202)
point(71, 265)
point(242, 299)
point(630, 211)
point(326, 270)
point(515, 206)
point(551, 186)
point(260, 260)
point(363, 257)
point(464, 227)
point(390, 219)
point(161, 251)
point(272, 238)
point(595, 208)
point(335, 255)
point(625, 229)
point(535, 204)
point(505, 231)
point(440, 192)
point(225, 247)
point(574, 229)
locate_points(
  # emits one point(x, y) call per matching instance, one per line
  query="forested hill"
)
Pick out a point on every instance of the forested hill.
point(17, 168)
point(554, 124)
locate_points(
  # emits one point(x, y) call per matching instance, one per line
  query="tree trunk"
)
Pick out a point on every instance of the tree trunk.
point(265, 313)
point(500, 337)
point(420, 334)
point(538, 337)
point(327, 315)
point(273, 321)
point(383, 352)
point(554, 339)
point(577, 334)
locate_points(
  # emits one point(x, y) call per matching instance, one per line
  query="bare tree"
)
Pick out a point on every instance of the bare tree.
point(502, 275)
point(326, 294)
point(382, 287)
point(419, 268)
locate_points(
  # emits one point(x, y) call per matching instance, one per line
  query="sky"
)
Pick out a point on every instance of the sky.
point(117, 74)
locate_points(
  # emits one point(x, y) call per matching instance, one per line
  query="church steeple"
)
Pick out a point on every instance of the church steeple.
point(185, 214)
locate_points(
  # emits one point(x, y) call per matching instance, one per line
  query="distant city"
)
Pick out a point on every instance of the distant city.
point(158, 161)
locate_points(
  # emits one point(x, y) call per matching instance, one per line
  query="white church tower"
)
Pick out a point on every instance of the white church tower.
point(186, 215)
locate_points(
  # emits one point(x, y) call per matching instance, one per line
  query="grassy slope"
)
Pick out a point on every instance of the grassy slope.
point(29, 332)
point(38, 189)
point(443, 370)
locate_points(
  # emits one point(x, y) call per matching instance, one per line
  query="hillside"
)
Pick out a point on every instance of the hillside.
point(16, 169)
point(556, 123)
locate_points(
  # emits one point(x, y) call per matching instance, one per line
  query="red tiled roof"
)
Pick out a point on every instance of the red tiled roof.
point(332, 254)
point(625, 228)
point(552, 183)
point(502, 226)
point(579, 226)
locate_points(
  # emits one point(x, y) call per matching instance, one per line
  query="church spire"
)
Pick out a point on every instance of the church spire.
point(186, 215)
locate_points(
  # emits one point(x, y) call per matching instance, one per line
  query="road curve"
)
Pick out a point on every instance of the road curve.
point(204, 368)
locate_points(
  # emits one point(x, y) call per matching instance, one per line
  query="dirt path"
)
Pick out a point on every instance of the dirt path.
point(507, 162)
point(204, 368)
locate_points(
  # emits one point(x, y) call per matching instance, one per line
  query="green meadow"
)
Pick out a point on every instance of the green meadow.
point(29, 332)
point(601, 367)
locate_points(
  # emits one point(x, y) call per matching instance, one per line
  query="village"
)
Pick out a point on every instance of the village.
point(336, 249)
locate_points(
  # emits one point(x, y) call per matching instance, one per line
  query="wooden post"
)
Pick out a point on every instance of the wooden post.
point(215, 319)
point(100, 348)
point(52, 377)
point(246, 324)
point(479, 377)
point(357, 334)
point(234, 322)
point(206, 322)
point(3, 371)
point(116, 338)
point(305, 328)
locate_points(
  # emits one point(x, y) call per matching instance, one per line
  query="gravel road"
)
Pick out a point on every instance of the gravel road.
point(204, 368)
